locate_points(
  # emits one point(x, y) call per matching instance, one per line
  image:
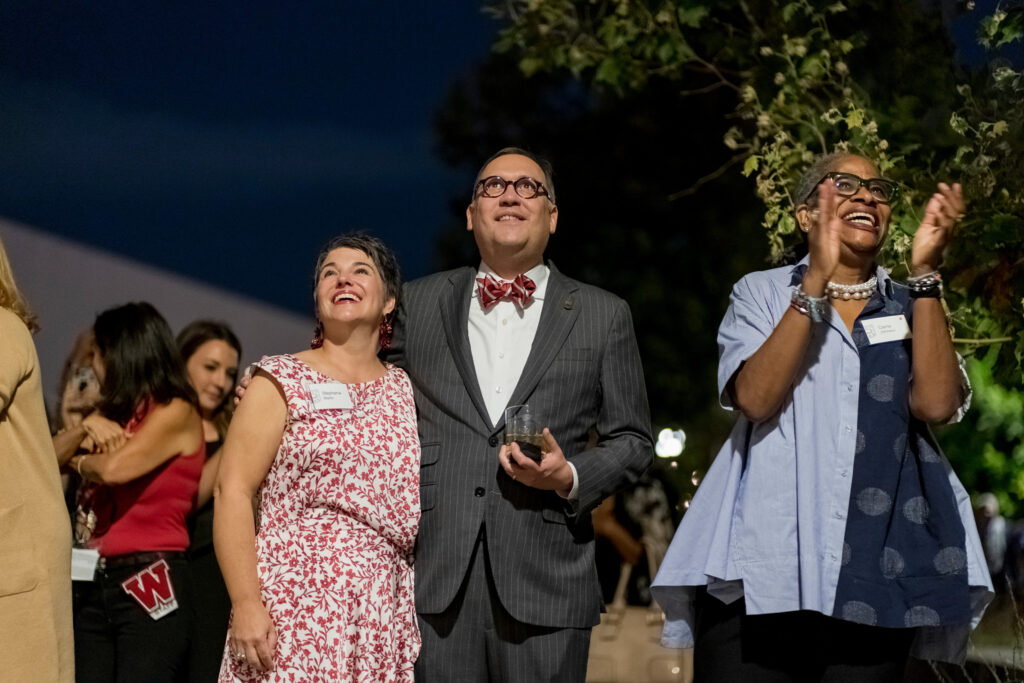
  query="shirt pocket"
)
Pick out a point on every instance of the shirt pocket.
point(19, 572)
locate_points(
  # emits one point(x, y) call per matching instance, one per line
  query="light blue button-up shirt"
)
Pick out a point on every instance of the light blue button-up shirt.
point(769, 519)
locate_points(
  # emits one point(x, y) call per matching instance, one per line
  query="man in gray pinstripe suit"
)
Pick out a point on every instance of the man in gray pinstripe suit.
point(506, 586)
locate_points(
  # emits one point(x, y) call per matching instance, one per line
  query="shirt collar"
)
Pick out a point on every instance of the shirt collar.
point(539, 275)
point(881, 273)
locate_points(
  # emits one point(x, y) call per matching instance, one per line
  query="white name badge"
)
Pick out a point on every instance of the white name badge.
point(329, 396)
point(887, 329)
point(83, 563)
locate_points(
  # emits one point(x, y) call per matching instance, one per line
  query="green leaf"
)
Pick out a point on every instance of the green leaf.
point(998, 128)
point(692, 17)
point(530, 65)
point(750, 165)
point(609, 71)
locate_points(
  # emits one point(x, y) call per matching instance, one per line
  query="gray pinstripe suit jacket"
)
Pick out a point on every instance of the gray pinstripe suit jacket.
point(583, 371)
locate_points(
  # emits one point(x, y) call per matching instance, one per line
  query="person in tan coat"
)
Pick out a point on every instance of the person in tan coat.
point(36, 641)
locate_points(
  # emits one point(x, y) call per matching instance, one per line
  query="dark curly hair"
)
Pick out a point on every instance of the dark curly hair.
point(383, 260)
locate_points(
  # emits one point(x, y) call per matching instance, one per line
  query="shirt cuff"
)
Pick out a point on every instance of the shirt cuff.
point(574, 493)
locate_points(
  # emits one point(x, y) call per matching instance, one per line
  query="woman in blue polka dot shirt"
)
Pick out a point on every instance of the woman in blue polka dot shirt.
point(830, 540)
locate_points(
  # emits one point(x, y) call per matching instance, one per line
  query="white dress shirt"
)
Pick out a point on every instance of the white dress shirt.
point(500, 339)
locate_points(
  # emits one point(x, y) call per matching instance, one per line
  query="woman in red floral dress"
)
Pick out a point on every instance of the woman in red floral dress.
point(327, 439)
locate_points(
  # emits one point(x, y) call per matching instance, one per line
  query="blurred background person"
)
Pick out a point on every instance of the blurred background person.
point(35, 541)
point(994, 536)
point(79, 390)
point(133, 621)
point(77, 396)
point(211, 352)
point(328, 439)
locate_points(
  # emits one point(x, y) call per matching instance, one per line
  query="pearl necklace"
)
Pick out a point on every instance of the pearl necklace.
point(845, 292)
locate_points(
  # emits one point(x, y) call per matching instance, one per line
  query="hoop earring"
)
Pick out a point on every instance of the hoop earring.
point(385, 333)
point(318, 336)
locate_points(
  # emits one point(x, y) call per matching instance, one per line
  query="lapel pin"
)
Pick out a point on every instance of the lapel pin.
point(567, 304)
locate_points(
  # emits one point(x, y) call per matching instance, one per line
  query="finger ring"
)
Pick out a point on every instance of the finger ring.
point(513, 477)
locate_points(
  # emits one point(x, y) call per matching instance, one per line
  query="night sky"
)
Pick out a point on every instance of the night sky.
point(228, 141)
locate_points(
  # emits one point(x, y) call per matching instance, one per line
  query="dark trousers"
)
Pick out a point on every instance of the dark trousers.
point(792, 647)
point(213, 612)
point(116, 641)
point(476, 640)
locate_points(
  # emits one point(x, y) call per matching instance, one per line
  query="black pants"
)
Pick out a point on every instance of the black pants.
point(116, 641)
point(792, 647)
point(213, 611)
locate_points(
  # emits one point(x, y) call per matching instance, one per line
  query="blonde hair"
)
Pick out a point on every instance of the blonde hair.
point(10, 297)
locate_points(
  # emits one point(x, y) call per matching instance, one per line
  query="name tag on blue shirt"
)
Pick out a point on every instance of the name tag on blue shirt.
point(886, 329)
point(329, 396)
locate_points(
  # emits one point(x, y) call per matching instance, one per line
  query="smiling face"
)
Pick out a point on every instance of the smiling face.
point(212, 370)
point(865, 219)
point(511, 232)
point(350, 290)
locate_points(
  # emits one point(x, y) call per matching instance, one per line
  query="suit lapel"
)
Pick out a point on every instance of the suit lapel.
point(455, 320)
point(561, 308)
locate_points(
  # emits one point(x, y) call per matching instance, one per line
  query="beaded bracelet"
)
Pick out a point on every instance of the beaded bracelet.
point(927, 286)
point(815, 307)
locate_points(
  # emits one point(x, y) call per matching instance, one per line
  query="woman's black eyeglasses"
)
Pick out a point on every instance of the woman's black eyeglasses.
point(847, 184)
point(525, 187)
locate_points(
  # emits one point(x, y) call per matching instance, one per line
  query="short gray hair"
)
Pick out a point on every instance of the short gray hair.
point(806, 190)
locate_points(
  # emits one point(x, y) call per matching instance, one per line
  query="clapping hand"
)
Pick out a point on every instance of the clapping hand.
point(943, 211)
point(823, 237)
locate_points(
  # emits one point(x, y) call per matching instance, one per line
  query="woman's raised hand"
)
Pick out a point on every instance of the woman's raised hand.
point(943, 211)
point(823, 237)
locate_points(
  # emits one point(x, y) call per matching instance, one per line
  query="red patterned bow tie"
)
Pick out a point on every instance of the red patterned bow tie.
point(492, 291)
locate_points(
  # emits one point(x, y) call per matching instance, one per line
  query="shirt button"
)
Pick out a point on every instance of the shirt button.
point(838, 514)
point(504, 321)
point(479, 492)
point(849, 428)
point(493, 441)
point(501, 354)
point(497, 390)
point(849, 387)
point(844, 473)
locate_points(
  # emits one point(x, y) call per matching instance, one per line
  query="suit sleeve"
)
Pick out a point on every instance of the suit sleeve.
point(624, 445)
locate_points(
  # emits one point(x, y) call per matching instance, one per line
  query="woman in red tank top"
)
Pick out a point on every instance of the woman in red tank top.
point(134, 611)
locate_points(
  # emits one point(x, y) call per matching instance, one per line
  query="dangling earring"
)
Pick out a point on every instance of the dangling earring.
point(318, 336)
point(386, 330)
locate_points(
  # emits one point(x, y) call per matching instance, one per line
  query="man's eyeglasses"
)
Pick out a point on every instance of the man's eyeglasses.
point(527, 188)
point(847, 184)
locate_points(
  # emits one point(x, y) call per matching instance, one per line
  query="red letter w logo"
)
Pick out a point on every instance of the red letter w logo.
point(152, 588)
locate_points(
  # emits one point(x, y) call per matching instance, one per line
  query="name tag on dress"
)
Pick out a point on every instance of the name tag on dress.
point(329, 396)
point(887, 329)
